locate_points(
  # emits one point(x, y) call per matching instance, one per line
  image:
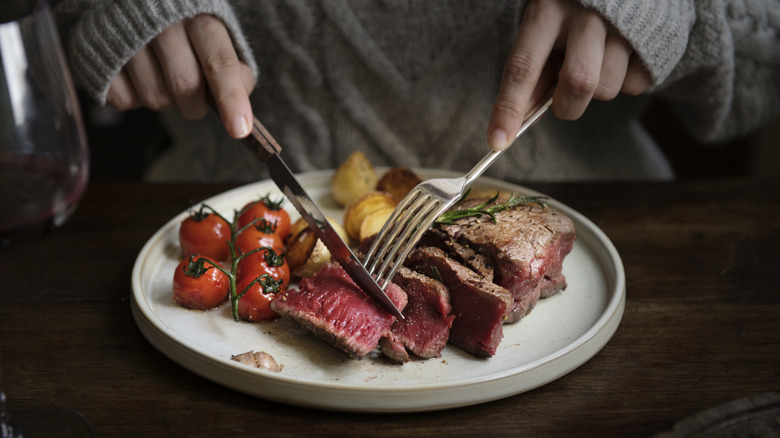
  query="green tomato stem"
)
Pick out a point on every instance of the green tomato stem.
point(268, 283)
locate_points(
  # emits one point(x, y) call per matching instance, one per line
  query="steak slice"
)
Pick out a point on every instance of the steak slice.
point(393, 348)
point(527, 245)
point(332, 307)
point(462, 253)
point(480, 307)
point(427, 318)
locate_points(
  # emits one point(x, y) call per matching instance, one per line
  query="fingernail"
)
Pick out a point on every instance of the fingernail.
point(240, 127)
point(498, 139)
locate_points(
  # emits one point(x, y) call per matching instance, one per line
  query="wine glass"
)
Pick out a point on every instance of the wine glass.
point(43, 168)
point(43, 150)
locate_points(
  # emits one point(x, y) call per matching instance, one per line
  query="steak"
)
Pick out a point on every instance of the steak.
point(393, 348)
point(332, 307)
point(427, 318)
point(480, 307)
point(527, 245)
point(462, 253)
point(460, 285)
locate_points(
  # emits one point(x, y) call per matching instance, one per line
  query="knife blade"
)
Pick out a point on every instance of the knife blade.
point(264, 146)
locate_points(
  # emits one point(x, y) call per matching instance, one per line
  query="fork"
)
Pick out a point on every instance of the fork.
point(424, 204)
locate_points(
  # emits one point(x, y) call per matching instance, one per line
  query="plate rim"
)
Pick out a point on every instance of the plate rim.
point(581, 349)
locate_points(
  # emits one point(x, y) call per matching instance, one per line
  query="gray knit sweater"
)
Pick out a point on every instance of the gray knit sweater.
point(413, 82)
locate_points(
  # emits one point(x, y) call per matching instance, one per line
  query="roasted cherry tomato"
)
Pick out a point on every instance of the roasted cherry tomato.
point(255, 304)
point(270, 211)
point(205, 234)
point(251, 211)
point(265, 261)
point(199, 284)
point(257, 236)
point(279, 216)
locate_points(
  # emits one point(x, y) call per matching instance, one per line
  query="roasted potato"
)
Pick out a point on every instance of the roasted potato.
point(305, 252)
point(354, 178)
point(398, 181)
point(319, 255)
point(374, 221)
point(295, 228)
point(300, 245)
point(360, 208)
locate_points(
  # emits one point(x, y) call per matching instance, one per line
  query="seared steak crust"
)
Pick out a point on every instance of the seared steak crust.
point(527, 245)
point(462, 253)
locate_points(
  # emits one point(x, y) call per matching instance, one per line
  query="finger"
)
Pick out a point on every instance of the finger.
point(147, 78)
point(181, 70)
point(638, 79)
point(223, 72)
point(535, 40)
point(247, 78)
point(121, 94)
point(579, 76)
point(617, 53)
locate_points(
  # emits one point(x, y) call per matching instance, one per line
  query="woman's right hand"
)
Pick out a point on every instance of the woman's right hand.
point(180, 67)
point(598, 64)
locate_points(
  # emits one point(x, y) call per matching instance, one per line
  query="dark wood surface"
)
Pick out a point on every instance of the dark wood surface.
point(701, 325)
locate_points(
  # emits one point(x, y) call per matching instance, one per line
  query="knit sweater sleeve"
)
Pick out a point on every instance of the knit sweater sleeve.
point(716, 61)
point(728, 82)
point(101, 36)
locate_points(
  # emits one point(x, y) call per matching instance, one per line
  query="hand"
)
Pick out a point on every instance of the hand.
point(180, 66)
point(598, 64)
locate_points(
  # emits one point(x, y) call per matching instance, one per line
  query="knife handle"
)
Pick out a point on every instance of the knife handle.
point(261, 143)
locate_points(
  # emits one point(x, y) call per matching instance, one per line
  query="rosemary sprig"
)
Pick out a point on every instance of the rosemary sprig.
point(450, 217)
point(437, 274)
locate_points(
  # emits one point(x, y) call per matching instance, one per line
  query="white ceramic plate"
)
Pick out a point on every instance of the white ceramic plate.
point(560, 334)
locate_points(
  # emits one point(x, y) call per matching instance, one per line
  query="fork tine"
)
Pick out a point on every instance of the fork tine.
point(409, 214)
point(404, 211)
point(401, 229)
point(408, 240)
point(399, 215)
point(408, 235)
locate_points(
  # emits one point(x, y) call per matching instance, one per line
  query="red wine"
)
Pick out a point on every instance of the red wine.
point(37, 193)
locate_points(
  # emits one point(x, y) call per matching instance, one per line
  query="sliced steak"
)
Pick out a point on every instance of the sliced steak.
point(332, 307)
point(427, 318)
point(462, 253)
point(393, 348)
point(527, 245)
point(433, 237)
point(480, 307)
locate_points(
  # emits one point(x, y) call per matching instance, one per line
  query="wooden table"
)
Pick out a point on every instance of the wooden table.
point(701, 325)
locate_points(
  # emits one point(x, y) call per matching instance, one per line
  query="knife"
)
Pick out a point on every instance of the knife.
point(264, 146)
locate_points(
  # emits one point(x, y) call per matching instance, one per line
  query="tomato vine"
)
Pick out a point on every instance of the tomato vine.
point(196, 264)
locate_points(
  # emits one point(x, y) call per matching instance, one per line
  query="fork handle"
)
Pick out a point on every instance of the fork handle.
point(533, 116)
